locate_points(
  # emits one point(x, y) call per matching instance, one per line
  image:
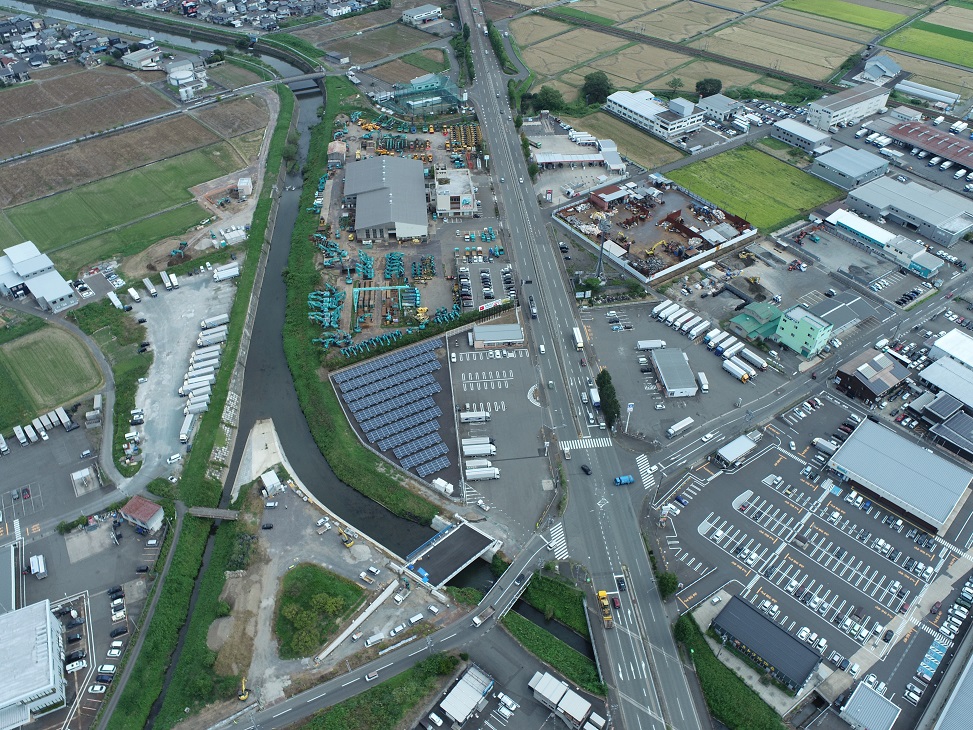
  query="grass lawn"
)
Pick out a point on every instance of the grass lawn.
point(637, 146)
point(50, 366)
point(72, 215)
point(419, 59)
point(548, 648)
point(560, 601)
point(934, 41)
point(15, 406)
point(310, 605)
point(755, 186)
point(847, 12)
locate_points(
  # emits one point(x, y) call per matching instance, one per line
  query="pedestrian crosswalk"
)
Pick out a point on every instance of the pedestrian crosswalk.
point(558, 541)
point(931, 630)
point(645, 471)
point(598, 443)
point(17, 533)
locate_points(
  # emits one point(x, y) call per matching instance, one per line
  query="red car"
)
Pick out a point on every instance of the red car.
point(935, 607)
point(744, 507)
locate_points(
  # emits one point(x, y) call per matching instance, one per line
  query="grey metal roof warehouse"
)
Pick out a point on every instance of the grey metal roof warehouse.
point(866, 709)
point(959, 707)
point(387, 192)
point(893, 467)
point(790, 657)
point(952, 377)
point(852, 162)
point(677, 377)
point(736, 450)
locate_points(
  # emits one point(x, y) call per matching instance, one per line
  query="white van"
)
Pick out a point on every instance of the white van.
point(175, 458)
point(415, 619)
point(372, 640)
point(436, 719)
point(271, 505)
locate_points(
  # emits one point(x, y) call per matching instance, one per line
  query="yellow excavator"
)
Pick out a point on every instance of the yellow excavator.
point(244, 693)
point(753, 279)
point(345, 540)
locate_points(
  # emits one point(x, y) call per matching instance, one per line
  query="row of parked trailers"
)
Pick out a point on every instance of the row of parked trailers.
point(738, 361)
point(479, 468)
point(204, 362)
point(38, 428)
point(681, 319)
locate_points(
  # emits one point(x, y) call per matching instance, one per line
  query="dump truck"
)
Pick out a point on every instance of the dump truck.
point(483, 616)
point(479, 450)
point(366, 578)
point(624, 479)
point(214, 321)
point(824, 446)
point(736, 371)
point(643, 345)
point(606, 610)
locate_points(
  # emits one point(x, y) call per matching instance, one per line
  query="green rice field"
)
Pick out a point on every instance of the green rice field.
point(847, 12)
point(755, 186)
point(934, 41)
point(50, 367)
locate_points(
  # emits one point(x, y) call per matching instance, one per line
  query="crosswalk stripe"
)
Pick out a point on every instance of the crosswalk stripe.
point(596, 443)
point(559, 542)
point(644, 467)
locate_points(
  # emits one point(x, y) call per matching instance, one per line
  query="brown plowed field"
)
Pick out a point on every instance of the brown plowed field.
point(71, 122)
point(321, 34)
point(234, 118)
point(73, 88)
point(35, 177)
point(396, 72)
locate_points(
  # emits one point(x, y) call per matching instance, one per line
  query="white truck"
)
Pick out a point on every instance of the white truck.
point(199, 391)
point(214, 321)
point(732, 351)
point(166, 281)
point(474, 417)
point(208, 338)
point(745, 367)
point(116, 302)
point(703, 382)
point(643, 345)
point(175, 281)
point(134, 294)
point(480, 475)
point(21, 436)
point(665, 312)
point(477, 441)
point(711, 334)
point(196, 408)
point(31, 434)
point(679, 321)
point(715, 341)
point(673, 316)
point(957, 127)
point(753, 358)
point(678, 428)
point(223, 274)
point(186, 431)
point(479, 464)
point(737, 372)
point(595, 397)
point(686, 326)
point(699, 329)
point(660, 307)
point(149, 287)
point(479, 450)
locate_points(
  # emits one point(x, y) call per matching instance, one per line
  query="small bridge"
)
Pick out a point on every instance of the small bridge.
point(214, 514)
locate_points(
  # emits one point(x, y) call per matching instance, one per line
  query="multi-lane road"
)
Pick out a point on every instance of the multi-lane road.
point(648, 683)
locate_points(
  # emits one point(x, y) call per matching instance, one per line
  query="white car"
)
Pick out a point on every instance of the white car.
point(870, 680)
point(793, 446)
point(174, 459)
point(97, 689)
point(707, 437)
point(114, 653)
point(107, 669)
point(803, 633)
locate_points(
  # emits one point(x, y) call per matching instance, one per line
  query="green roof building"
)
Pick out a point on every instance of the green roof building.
point(758, 321)
point(803, 332)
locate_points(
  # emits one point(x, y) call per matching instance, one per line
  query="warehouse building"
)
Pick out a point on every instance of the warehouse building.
point(486, 336)
point(469, 694)
point(847, 107)
point(904, 252)
point(421, 15)
point(843, 311)
point(879, 68)
point(881, 463)
point(757, 322)
point(937, 215)
point(955, 345)
point(677, 378)
point(573, 709)
point(24, 271)
point(778, 652)
point(642, 110)
point(737, 450)
point(32, 679)
point(847, 167)
point(866, 709)
point(800, 135)
point(803, 332)
point(958, 709)
point(388, 196)
point(870, 376)
point(718, 107)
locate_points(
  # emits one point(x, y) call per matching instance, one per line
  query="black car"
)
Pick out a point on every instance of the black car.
point(74, 623)
point(620, 581)
point(142, 569)
point(142, 320)
point(115, 589)
point(887, 637)
point(519, 580)
point(64, 610)
point(116, 594)
point(75, 656)
point(104, 678)
point(120, 631)
point(586, 469)
point(74, 638)
point(266, 526)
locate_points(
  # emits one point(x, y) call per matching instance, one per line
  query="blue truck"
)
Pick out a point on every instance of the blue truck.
point(626, 479)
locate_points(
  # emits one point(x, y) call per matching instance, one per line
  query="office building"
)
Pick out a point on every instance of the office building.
point(847, 167)
point(642, 110)
point(846, 107)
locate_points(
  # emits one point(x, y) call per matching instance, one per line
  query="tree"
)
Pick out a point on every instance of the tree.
point(668, 584)
point(532, 169)
point(684, 629)
point(593, 283)
point(466, 31)
point(675, 83)
point(518, 121)
point(708, 87)
point(549, 98)
point(597, 87)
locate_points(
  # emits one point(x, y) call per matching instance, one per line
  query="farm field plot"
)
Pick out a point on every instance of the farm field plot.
point(553, 56)
point(801, 52)
point(633, 144)
point(128, 240)
point(533, 29)
point(320, 34)
point(618, 10)
point(50, 366)
point(848, 12)
point(430, 60)
point(61, 219)
point(95, 159)
point(959, 17)
point(934, 41)
point(396, 72)
point(817, 23)
point(638, 64)
point(744, 6)
point(934, 74)
point(45, 94)
point(231, 76)
point(375, 44)
point(236, 117)
point(9, 235)
point(71, 122)
point(680, 20)
point(697, 70)
point(774, 191)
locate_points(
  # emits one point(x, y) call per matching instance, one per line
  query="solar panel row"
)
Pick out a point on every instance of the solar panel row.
point(424, 405)
point(396, 438)
point(417, 445)
point(378, 363)
point(410, 367)
point(425, 455)
point(432, 467)
point(394, 403)
point(383, 395)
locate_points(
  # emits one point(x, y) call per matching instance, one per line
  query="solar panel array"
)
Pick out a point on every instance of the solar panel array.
point(401, 437)
point(425, 455)
point(431, 467)
point(390, 397)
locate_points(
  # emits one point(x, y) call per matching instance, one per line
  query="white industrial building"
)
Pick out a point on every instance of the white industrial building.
point(718, 107)
point(32, 679)
point(643, 111)
point(847, 107)
point(879, 68)
point(497, 335)
point(938, 215)
point(904, 252)
point(955, 345)
point(677, 377)
point(573, 709)
point(187, 77)
point(388, 195)
point(471, 692)
point(422, 15)
point(848, 167)
point(454, 192)
point(146, 59)
point(798, 134)
point(25, 270)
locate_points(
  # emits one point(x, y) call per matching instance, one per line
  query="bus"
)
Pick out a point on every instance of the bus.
point(578, 342)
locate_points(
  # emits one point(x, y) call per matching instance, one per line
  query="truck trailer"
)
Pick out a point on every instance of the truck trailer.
point(703, 382)
point(206, 338)
point(675, 315)
point(824, 446)
point(224, 274)
point(39, 427)
point(643, 345)
point(679, 427)
point(665, 312)
point(166, 281)
point(744, 366)
point(63, 417)
point(479, 464)
point(214, 321)
point(210, 359)
point(187, 428)
point(31, 434)
point(116, 302)
point(480, 475)
point(479, 450)
point(698, 330)
point(753, 359)
point(149, 287)
point(197, 408)
point(726, 344)
point(474, 417)
point(477, 441)
point(47, 422)
point(4, 449)
point(732, 351)
point(175, 281)
point(735, 371)
point(660, 306)
point(688, 325)
point(682, 319)
point(21, 436)
point(199, 391)
point(716, 340)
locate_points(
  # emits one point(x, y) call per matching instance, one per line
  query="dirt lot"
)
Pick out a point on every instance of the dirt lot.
point(86, 117)
point(95, 159)
point(805, 53)
point(235, 117)
point(822, 25)
point(533, 29)
point(495, 12)
point(70, 88)
point(375, 44)
point(396, 72)
point(679, 21)
point(555, 55)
